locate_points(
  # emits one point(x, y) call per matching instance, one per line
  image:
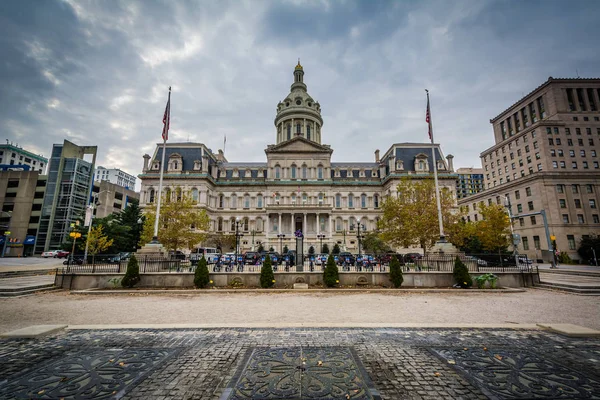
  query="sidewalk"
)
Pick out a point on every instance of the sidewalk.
point(11, 264)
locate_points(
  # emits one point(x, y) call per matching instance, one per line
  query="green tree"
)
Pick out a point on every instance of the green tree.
point(325, 249)
point(285, 249)
point(587, 246)
point(411, 218)
point(267, 277)
point(221, 241)
point(97, 241)
point(396, 272)
point(331, 276)
point(201, 278)
point(132, 275)
point(463, 235)
point(182, 224)
point(372, 243)
point(461, 274)
point(493, 230)
point(311, 250)
point(271, 248)
point(336, 249)
point(260, 248)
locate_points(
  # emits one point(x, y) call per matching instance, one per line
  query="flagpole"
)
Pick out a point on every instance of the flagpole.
point(435, 177)
point(162, 168)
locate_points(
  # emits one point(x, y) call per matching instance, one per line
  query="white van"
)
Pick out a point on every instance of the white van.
point(209, 253)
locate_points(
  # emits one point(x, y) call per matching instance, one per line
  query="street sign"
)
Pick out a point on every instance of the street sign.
point(552, 237)
point(7, 233)
point(516, 239)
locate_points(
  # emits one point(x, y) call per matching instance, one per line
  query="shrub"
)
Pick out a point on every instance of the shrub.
point(461, 274)
point(261, 248)
point(331, 275)
point(336, 249)
point(201, 278)
point(325, 249)
point(396, 272)
point(285, 249)
point(482, 279)
point(311, 250)
point(563, 258)
point(132, 275)
point(267, 278)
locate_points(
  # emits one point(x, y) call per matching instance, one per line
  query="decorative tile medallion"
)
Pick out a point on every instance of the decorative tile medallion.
point(98, 374)
point(301, 373)
point(512, 373)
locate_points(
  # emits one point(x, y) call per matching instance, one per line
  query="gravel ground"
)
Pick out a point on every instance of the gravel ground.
point(532, 306)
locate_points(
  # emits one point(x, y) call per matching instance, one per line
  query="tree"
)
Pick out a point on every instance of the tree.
point(372, 243)
point(181, 225)
point(271, 249)
point(132, 275)
point(493, 230)
point(463, 235)
point(325, 249)
point(411, 218)
point(396, 272)
point(267, 278)
point(133, 219)
point(331, 276)
point(461, 274)
point(260, 248)
point(201, 278)
point(97, 241)
point(285, 249)
point(336, 249)
point(221, 241)
point(311, 250)
point(587, 247)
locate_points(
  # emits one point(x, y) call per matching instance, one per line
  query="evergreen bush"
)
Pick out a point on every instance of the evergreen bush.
point(260, 248)
point(461, 274)
point(201, 278)
point(285, 249)
point(331, 275)
point(325, 249)
point(267, 278)
point(311, 250)
point(396, 272)
point(132, 275)
point(336, 249)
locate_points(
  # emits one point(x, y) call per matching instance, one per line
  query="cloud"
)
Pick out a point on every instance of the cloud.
point(99, 72)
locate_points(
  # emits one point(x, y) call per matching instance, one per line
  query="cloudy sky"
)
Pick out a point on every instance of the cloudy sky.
point(98, 72)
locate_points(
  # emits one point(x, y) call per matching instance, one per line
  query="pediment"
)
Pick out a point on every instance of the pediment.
point(298, 145)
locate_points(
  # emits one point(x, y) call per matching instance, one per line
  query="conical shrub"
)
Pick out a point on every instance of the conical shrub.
point(201, 278)
point(331, 276)
point(267, 277)
point(396, 272)
point(461, 274)
point(132, 275)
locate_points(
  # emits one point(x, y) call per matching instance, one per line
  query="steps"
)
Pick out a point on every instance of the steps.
point(25, 291)
point(29, 272)
point(571, 288)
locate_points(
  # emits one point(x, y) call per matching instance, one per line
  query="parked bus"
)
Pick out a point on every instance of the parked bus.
point(209, 253)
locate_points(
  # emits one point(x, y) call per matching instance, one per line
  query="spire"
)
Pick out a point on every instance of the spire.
point(299, 66)
point(299, 77)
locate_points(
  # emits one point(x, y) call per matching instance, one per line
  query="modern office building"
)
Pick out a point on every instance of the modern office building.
point(469, 181)
point(12, 155)
point(298, 188)
point(21, 197)
point(70, 179)
point(111, 198)
point(545, 157)
point(116, 176)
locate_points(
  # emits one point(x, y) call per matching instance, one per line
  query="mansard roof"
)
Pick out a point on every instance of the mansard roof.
point(189, 152)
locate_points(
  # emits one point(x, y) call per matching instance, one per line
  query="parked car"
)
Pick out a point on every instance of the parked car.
point(227, 258)
point(177, 255)
point(479, 261)
point(62, 254)
point(251, 257)
point(210, 254)
point(346, 257)
point(51, 253)
point(123, 256)
point(412, 257)
point(525, 260)
point(73, 260)
point(321, 259)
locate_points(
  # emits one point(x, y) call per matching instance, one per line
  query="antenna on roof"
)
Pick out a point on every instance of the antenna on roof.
point(577, 72)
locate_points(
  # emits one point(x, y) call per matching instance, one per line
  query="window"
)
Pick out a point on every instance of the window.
point(536, 242)
point(233, 201)
point(567, 131)
point(563, 203)
point(558, 142)
point(319, 172)
point(588, 131)
point(560, 188)
point(293, 171)
point(293, 198)
point(530, 205)
point(593, 153)
point(528, 191)
point(572, 153)
point(151, 196)
point(571, 240)
point(580, 219)
point(574, 164)
point(589, 189)
point(320, 198)
point(259, 201)
point(554, 164)
point(308, 132)
point(592, 203)
point(532, 219)
point(582, 153)
point(549, 130)
point(289, 131)
point(525, 243)
point(277, 172)
point(376, 200)
point(578, 131)
point(521, 221)
point(591, 142)
point(350, 200)
point(221, 201)
point(563, 164)
point(517, 194)
point(338, 200)
point(246, 201)
point(519, 208)
point(577, 203)
point(560, 153)
point(298, 129)
point(565, 218)
point(195, 195)
point(595, 218)
point(304, 169)
point(575, 189)
point(12, 183)
point(363, 201)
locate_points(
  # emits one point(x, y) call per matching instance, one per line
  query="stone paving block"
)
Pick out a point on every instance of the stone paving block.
point(33, 331)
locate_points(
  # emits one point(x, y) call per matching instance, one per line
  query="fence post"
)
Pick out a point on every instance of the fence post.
point(145, 258)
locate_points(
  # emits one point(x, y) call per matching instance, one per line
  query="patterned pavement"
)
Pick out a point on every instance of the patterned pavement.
point(341, 363)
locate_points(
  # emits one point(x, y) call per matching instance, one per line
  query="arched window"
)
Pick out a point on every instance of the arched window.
point(293, 198)
point(293, 170)
point(363, 200)
point(376, 200)
point(304, 198)
point(259, 201)
point(246, 201)
point(167, 195)
point(246, 224)
point(195, 195)
point(289, 131)
point(277, 198)
point(338, 200)
point(151, 196)
point(178, 193)
point(338, 224)
point(308, 132)
point(233, 201)
point(422, 165)
point(350, 200)
point(174, 164)
point(221, 201)
point(277, 172)
point(320, 198)
point(304, 172)
point(319, 172)
point(232, 225)
point(298, 129)
point(220, 225)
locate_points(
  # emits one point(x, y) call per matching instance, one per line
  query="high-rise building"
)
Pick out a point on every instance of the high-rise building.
point(21, 197)
point(469, 181)
point(297, 188)
point(70, 179)
point(11, 156)
point(116, 176)
point(545, 157)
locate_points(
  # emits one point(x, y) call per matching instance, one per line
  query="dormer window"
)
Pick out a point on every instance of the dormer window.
point(155, 165)
point(197, 165)
point(421, 165)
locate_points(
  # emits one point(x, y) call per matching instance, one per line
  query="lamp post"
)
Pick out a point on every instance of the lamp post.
point(281, 236)
point(237, 238)
point(253, 232)
point(91, 207)
point(321, 237)
point(358, 235)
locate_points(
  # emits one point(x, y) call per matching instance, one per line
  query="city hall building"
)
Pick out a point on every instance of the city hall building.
point(297, 188)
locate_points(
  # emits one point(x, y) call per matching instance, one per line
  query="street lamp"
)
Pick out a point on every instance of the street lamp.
point(91, 207)
point(237, 238)
point(321, 237)
point(281, 236)
point(358, 226)
point(253, 232)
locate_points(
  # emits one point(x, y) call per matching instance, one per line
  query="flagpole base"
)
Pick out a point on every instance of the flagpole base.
point(154, 240)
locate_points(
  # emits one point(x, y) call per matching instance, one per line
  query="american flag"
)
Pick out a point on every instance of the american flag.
point(428, 119)
point(167, 118)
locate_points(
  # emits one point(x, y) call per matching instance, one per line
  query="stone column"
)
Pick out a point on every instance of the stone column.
point(304, 128)
point(305, 225)
point(318, 224)
point(330, 226)
point(279, 226)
